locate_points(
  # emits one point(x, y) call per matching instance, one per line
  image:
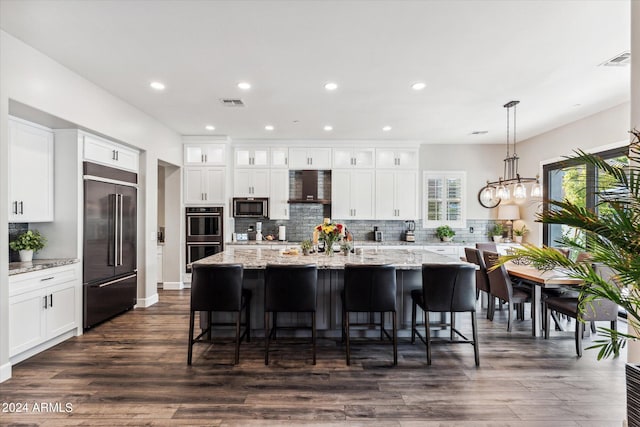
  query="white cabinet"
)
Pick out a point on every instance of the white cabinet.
point(397, 194)
point(353, 158)
point(42, 306)
point(251, 183)
point(352, 194)
point(204, 185)
point(391, 158)
point(279, 157)
point(279, 194)
point(309, 158)
point(446, 250)
point(251, 157)
point(30, 172)
point(99, 150)
point(205, 154)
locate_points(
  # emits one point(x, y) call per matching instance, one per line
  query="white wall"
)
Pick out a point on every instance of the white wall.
point(599, 130)
point(31, 78)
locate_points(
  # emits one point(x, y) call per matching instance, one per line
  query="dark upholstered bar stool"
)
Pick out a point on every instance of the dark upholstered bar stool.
point(446, 288)
point(218, 287)
point(482, 280)
point(369, 289)
point(289, 288)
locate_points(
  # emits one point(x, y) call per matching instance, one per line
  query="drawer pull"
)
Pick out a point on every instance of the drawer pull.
point(47, 278)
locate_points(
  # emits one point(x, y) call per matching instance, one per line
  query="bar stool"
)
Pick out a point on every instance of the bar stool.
point(289, 288)
point(218, 287)
point(370, 288)
point(446, 288)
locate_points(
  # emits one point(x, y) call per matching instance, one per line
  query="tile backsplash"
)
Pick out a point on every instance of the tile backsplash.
point(303, 217)
point(16, 228)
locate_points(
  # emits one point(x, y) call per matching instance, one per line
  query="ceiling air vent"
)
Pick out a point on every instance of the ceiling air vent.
point(619, 60)
point(229, 102)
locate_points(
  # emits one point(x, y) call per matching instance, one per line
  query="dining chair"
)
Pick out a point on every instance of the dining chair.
point(502, 288)
point(289, 288)
point(487, 246)
point(446, 288)
point(370, 289)
point(482, 280)
point(218, 288)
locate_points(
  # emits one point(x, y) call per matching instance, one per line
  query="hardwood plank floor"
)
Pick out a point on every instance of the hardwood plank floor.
point(132, 370)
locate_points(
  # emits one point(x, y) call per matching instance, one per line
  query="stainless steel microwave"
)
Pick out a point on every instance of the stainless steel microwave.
point(251, 207)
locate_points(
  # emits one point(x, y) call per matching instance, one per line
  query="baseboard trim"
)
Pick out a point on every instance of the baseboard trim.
point(5, 372)
point(147, 302)
point(173, 286)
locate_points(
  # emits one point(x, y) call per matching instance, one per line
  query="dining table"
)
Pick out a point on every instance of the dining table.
point(540, 279)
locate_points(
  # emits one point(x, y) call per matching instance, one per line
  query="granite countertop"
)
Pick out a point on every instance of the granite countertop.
point(39, 264)
point(357, 243)
point(403, 259)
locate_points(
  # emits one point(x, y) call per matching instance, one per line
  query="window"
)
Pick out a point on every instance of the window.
point(579, 183)
point(444, 198)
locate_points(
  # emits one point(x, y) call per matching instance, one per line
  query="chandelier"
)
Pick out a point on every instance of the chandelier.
point(510, 184)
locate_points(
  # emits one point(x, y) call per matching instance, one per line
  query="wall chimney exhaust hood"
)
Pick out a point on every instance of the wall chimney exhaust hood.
point(310, 186)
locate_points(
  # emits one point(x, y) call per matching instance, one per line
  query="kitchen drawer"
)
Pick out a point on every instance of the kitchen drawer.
point(451, 251)
point(21, 283)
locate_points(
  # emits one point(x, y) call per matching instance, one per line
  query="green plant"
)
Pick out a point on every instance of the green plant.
point(498, 229)
point(30, 240)
point(345, 245)
point(306, 245)
point(520, 231)
point(444, 231)
point(611, 237)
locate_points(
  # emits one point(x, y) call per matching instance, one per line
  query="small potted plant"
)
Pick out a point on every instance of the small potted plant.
point(498, 229)
point(519, 233)
point(445, 233)
point(27, 243)
point(345, 247)
point(306, 246)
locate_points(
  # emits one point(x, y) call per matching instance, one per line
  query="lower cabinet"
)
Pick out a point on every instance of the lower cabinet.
point(43, 305)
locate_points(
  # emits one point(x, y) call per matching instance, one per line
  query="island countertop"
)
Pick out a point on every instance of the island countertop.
point(402, 259)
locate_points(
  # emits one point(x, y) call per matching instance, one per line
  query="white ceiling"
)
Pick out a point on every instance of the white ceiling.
point(474, 55)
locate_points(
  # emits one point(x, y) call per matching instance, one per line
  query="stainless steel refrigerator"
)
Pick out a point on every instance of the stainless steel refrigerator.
point(109, 264)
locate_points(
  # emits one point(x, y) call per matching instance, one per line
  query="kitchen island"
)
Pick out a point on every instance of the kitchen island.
point(408, 263)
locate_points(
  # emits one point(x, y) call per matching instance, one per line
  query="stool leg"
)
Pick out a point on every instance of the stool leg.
point(247, 318)
point(238, 315)
point(266, 337)
point(275, 325)
point(395, 338)
point(413, 321)
point(313, 335)
point(453, 325)
point(427, 334)
point(381, 325)
point(190, 351)
point(474, 326)
point(209, 322)
point(346, 330)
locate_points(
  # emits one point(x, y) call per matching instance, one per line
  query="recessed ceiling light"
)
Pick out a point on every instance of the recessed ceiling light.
point(418, 85)
point(386, 128)
point(157, 85)
point(244, 85)
point(209, 127)
point(331, 86)
point(269, 127)
point(328, 128)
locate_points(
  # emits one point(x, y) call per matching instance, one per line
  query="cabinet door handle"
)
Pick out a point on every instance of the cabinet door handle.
point(286, 160)
point(50, 300)
point(21, 207)
point(206, 196)
point(113, 154)
point(15, 207)
point(206, 158)
point(45, 302)
point(117, 155)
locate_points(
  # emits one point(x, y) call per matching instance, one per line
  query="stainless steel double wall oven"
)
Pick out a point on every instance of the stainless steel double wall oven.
point(204, 232)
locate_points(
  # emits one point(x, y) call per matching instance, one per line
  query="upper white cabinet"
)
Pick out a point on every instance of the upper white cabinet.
point(204, 185)
point(279, 157)
point(251, 157)
point(109, 153)
point(30, 172)
point(251, 183)
point(352, 194)
point(353, 158)
point(391, 158)
point(279, 194)
point(397, 194)
point(205, 154)
point(444, 198)
point(309, 158)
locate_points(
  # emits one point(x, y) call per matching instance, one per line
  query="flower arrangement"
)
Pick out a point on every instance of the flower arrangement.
point(329, 232)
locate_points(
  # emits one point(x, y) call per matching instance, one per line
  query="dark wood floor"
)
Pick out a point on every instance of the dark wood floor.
point(132, 371)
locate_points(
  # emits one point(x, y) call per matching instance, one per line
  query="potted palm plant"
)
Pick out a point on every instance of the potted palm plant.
point(27, 243)
point(612, 237)
point(498, 230)
point(519, 233)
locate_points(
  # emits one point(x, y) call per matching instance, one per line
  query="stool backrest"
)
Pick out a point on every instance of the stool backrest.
point(482, 280)
point(369, 287)
point(449, 287)
point(216, 287)
point(499, 280)
point(290, 287)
